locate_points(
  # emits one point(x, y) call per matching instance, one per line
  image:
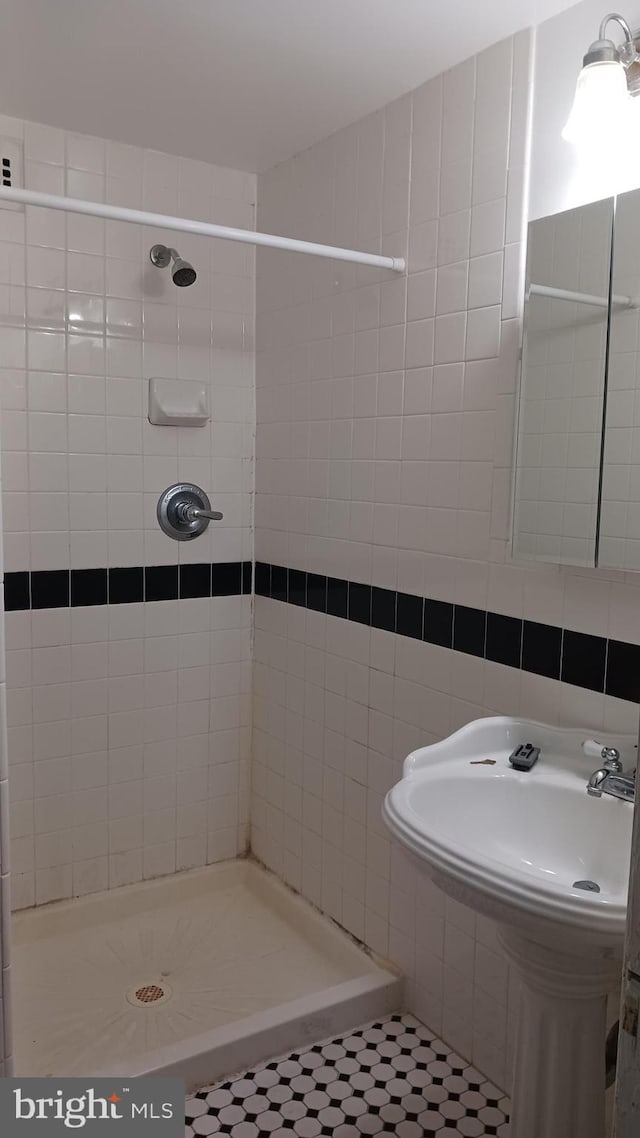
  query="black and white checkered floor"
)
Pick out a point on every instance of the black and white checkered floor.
point(391, 1077)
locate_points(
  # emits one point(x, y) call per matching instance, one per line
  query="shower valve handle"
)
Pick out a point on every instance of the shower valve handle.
point(184, 511)
point(192, 513)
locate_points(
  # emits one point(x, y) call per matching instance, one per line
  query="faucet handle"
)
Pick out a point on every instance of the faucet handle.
point(609, 755)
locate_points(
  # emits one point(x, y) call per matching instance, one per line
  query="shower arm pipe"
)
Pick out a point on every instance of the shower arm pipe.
point(581, 297)
point(201, 228)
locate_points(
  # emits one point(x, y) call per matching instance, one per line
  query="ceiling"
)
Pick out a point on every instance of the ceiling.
point(244, 83)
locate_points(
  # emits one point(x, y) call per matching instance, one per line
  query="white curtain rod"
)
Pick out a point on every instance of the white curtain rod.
point(202, 228)
point(581, 297)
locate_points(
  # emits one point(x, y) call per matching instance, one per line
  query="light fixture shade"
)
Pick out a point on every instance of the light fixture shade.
point(601, 105)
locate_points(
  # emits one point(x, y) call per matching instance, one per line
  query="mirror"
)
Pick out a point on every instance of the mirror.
point(563, 386)
point(619, 531)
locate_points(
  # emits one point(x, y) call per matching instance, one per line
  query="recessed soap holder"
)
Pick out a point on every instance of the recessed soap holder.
point(178, 403)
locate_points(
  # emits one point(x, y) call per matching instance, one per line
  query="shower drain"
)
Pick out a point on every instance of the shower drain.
point(149, 995)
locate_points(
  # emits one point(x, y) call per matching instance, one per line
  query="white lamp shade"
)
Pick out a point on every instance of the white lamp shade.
point(601, 105)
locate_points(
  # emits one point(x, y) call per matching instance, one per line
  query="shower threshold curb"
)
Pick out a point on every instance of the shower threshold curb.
point(223, 1051)
point(184, 950)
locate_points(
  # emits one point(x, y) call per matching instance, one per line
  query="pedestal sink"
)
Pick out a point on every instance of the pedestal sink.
point(514, 845)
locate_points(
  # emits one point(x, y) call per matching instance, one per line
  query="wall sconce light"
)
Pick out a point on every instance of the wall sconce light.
point(610, 75)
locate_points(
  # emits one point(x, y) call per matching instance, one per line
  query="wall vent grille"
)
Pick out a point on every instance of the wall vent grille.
point(11, 169)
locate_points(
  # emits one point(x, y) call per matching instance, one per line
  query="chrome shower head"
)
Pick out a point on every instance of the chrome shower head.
point(182, 272)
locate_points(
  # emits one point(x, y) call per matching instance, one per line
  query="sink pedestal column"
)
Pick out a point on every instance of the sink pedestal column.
point(559, 1073)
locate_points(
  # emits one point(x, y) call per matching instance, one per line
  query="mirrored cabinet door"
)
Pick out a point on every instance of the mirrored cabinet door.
point(562, 386)
point(619, 531)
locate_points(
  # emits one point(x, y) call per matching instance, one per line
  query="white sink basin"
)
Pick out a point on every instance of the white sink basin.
point(512, 844)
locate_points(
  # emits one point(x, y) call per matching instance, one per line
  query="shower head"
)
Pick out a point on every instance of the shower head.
point(182, 272)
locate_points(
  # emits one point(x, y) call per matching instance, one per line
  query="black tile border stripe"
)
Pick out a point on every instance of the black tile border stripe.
point(76, 588)
point(592, 662)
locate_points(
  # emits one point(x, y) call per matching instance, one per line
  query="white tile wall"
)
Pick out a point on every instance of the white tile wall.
point(384, 449)
point(128, 725)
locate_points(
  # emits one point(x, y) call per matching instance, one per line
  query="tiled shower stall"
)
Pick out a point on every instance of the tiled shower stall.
point(127, 654)
point(101, 692)
point(384, 608)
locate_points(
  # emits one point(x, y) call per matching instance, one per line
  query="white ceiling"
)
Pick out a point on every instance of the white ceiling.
point(244, 83)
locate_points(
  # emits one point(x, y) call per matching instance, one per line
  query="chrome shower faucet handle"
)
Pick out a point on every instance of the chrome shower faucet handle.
point(188, 513)
point(184, 511)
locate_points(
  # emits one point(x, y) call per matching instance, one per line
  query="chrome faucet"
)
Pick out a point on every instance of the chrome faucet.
point(610, 778)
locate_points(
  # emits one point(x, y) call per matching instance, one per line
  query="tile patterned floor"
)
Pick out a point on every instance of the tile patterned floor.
point(391, 1077)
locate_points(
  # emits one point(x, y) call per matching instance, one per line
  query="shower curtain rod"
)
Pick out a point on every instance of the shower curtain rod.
point(202, 228)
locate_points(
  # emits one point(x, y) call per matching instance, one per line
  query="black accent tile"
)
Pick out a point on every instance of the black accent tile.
point(538, 648)
point(263, 579)
point(17, 594)
point(50, 589)
point(297, 594)
point(583, 660)
point(279, 575)
point(438, 623)
point(88, 587)
point(541, 649)
point(469, 626)
point(383, 609)
point(409, 615)
point(623, 670)
point(126, 586)
point(359, 600)
point(195, 580)
point(160, 582)
point(316, 592)
point(337, 596)
point(227, 579)
point(504, 639)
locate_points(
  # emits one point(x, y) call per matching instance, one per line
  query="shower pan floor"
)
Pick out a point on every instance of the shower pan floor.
point(196, 975)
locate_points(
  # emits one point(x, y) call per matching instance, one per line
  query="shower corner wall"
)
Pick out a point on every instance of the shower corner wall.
point(128, 722)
